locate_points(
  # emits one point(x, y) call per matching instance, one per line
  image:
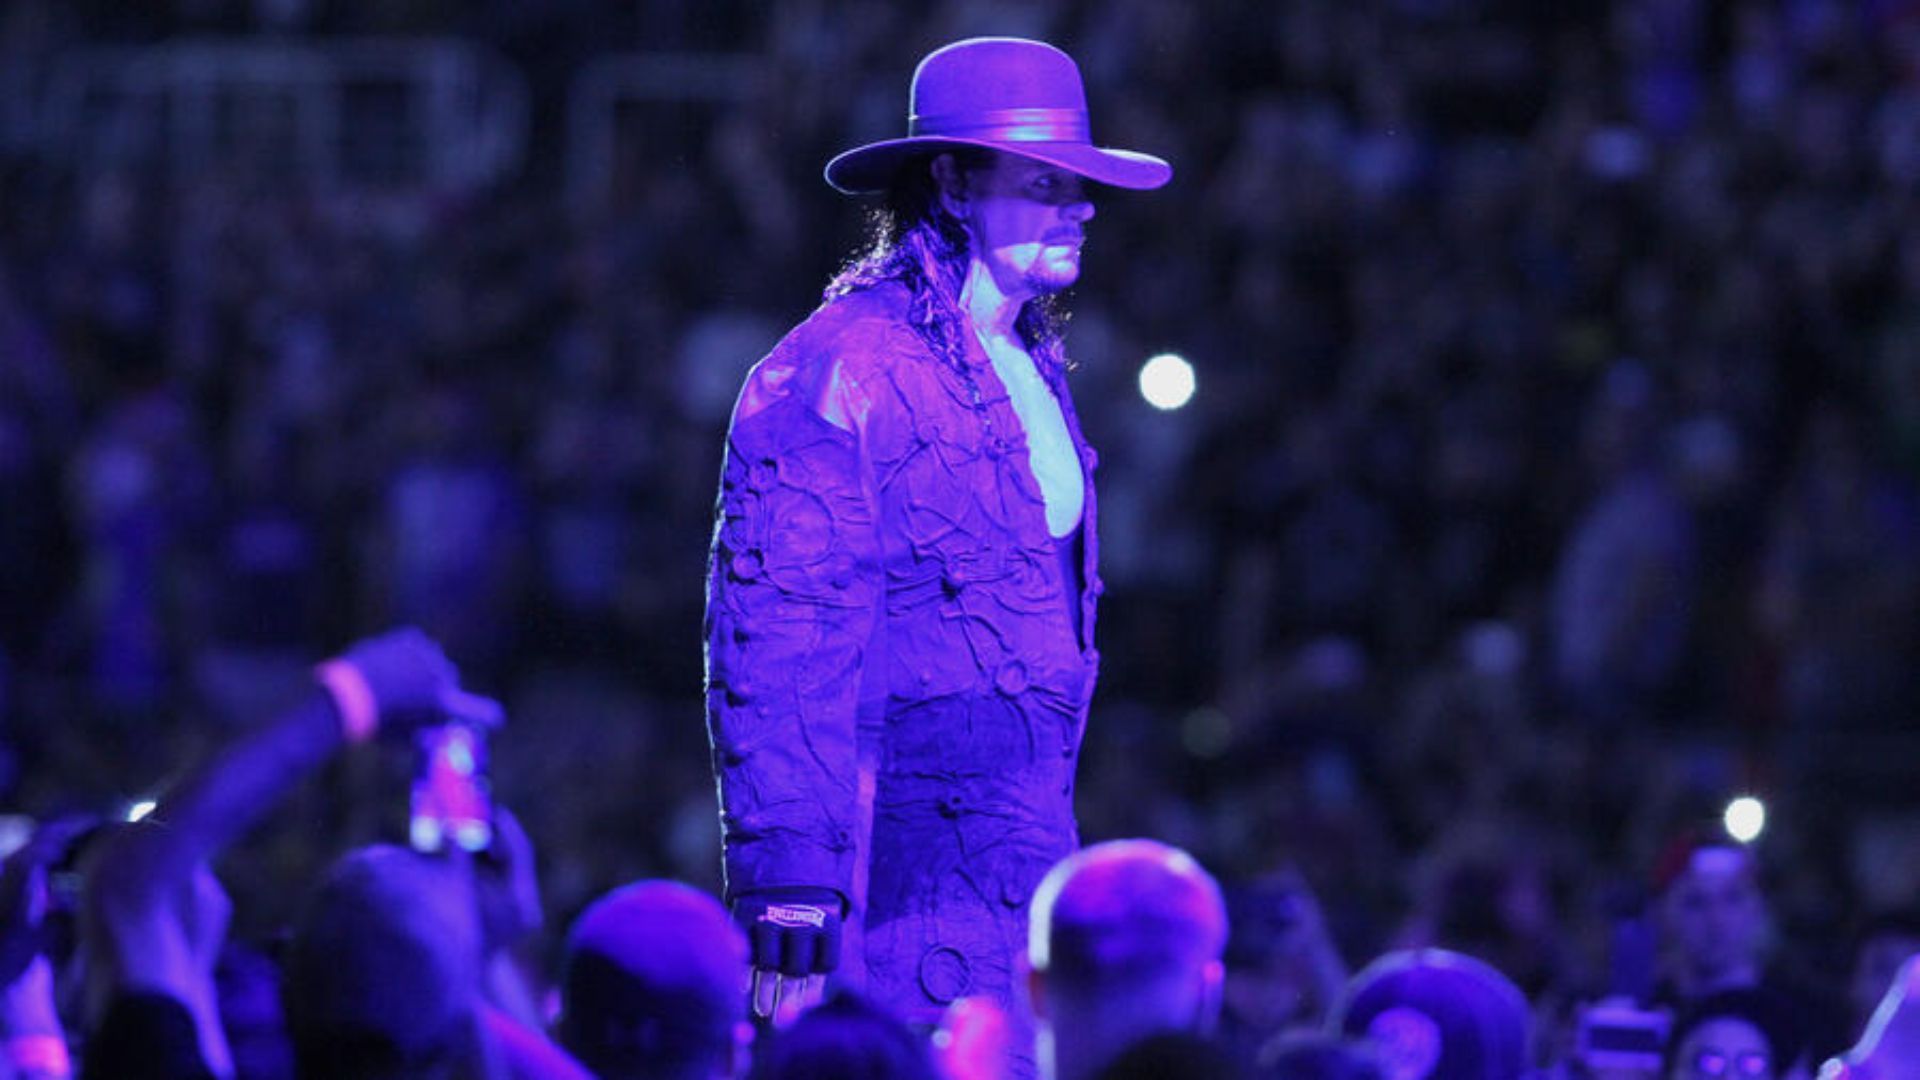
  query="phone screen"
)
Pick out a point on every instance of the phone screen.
point(451, 803)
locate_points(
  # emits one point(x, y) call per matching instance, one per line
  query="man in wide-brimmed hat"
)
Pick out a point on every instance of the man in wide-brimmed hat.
point(902, 586)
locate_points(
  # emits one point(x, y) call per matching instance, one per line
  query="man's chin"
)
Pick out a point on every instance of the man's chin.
point(1047, 280)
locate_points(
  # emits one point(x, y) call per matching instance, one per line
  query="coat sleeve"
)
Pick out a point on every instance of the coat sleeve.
point(792, 585)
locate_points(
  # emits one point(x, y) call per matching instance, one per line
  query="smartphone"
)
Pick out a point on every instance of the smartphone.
point(451, 803)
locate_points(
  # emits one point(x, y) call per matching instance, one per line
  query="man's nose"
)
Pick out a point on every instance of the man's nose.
point(1079, 210)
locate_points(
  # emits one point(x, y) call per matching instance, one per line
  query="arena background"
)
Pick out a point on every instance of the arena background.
point(1550, 478)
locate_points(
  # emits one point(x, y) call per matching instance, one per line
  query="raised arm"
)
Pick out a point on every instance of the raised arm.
point(155, 915)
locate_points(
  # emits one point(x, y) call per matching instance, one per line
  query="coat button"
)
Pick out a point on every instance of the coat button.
point(945, 974)
point(762, 475)
point(1011, 679)
point(951, 804)
point(746, 565)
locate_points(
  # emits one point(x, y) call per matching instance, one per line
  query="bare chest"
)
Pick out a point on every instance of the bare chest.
point(1050, 450)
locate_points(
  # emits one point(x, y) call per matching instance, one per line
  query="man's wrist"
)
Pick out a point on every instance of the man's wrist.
point(1842, 1068)
point(346, 685)
point(829, 899)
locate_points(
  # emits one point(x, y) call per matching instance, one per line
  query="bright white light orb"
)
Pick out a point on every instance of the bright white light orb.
point(1166, 381)
point(141, 809)
point(1746, 818)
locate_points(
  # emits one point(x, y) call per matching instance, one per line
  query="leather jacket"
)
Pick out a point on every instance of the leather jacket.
point(897, 675)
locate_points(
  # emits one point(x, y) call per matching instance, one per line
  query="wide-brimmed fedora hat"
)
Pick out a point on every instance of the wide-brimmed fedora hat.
point(1022, 97)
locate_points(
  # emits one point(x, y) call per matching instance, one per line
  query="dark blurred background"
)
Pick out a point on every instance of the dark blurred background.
point(1550, 479)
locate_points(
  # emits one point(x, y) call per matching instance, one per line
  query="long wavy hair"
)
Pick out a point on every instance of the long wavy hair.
point(914, 240)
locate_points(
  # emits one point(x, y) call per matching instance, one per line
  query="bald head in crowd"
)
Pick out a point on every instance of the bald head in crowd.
point(1126, 941)
point(654, 986)
point(383, 973)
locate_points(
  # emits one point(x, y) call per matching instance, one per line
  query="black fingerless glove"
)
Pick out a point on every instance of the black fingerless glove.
point(794, 930)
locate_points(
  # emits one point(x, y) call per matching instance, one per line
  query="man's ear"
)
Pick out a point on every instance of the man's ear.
point(952, 184)
point(1037, 992)
point(1213, 980)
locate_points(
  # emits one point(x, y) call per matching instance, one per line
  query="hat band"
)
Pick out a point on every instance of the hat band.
point(1007, 125)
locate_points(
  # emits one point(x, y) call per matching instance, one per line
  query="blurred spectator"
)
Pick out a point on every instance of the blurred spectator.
point(1491, 892)
point(383, 976)
point(1714, 918)
point(1716, 929)
point(1283, 970)
point(455, 524)
point(1431, 1014)
point(654, 986)
point(1624, 591)
point(139, 495)
point(845, 1039)
point(588, 455)
point(387, 976)
point(1304, 1056)
point(1739, 1033)
point(1126, 942)
point(1170, 1053)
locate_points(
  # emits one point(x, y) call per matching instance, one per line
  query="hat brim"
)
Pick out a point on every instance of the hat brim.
point(872, 167)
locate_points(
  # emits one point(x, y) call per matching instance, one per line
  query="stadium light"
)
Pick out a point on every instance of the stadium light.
point(1166, 381)
point(1746, 819)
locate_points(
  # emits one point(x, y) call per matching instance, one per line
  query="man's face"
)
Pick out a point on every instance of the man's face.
point(1725, 1048)
point(1027, 223)
point(1716, 914)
